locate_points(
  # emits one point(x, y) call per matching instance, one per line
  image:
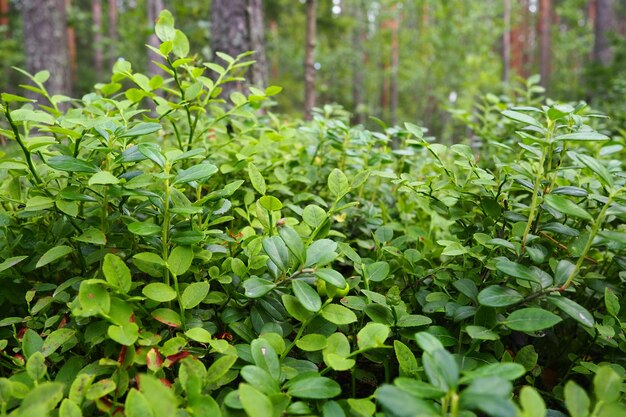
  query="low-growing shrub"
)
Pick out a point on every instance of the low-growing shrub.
point(167, 252)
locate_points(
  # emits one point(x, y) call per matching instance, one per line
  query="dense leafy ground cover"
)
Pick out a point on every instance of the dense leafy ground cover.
point(193, 257)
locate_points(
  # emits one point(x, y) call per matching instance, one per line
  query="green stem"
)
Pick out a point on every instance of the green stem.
point(26, 152)
point(594, 231)
point(454, 404)
point(534, 202)
point(166, 225)
point(180, 300)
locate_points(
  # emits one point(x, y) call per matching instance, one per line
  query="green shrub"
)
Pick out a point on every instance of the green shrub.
point(161, 247)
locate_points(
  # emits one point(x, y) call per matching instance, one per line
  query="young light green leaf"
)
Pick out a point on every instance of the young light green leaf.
point(194, 294)
point(531, 319)
point(256, 178)
point(53, 254)
point(116, 272)
point(180, 260)
point(338, 183)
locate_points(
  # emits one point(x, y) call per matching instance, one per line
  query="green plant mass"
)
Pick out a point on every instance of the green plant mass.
point(169, 250)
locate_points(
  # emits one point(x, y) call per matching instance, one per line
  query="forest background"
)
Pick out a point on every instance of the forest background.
point(422, 61)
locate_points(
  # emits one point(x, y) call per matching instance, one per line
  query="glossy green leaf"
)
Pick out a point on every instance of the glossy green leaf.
point(522, 118)
point(54, 254)
point(180, 260)
point(531, 319)
point(307, 295)
point(257, 287)
point(373, 335)
point(198, 172)
point(338, 315)
point(315, 387)
point(71, 164)
point(312, 342)
point(160, 292)
point(194, 293)
point(566, 206)
point(116, 272)
point(573, 309)
point(497, 296)
point(276, 249)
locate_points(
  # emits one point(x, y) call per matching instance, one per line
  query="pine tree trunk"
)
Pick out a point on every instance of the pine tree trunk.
point(395, 64)
point(358, 37)
point(4, 13)
point(506, 43)
point(602, 52)
point(309, 59)
point(112, 33)
point(237, 27)
point(96, 13)
point(545, 53)
point(258, 72)
point(45, 42)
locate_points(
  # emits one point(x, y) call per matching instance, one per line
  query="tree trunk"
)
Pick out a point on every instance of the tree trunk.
point(96, 13)
point(154, 8)
point(237, 27)
point(545, 18)
point(4, 13)
point(309, 59)
point(602, 52)
point(45, 42)
point(358, 62)
point(112, 32)
point(506, 43)
point(258, 72)
point(395, 64)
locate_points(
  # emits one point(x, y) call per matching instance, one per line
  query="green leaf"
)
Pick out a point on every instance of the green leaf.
point(38, 203)
point(180, 260)
point(124, 335)
point(600, 170)
point(219, 368)
point(315, 387)
point(259, 377)
point(490, 395)
point(93, 236)
point(516, 270)
point(611, 301)
point(141, 129)
point(581, 136)
point(313, 215)
point(103, 178)
point(331, 276)
point(321, 252)
point(257, 287)
point(162, 400)
point(481, 333)
point(522, 118)
point(428, 342)
point(276, 249)
point(312, 342)
point(194, 294)
point(11, 262)
point(373, 335)
point(338, 315)
point(53, 254)
point(100, 389)
point(295, 309)
point(164, 27)
point(607, 384)
point(116, 272)
point(270, 203)
point(167, 316)
point(532, 403)
point(70, 164)
point(159, 291)
point(531, 319)
point(573, 309)
point(199, 334)
point(41, 399)
point(406, 359)
point(55, 340)
point(566, 206)
point(507, 370)
point(576, 400)
point(93, 298)
point(497, 296)
point(441, 369)
point(137, 405)
point(36, 366)
point(338, 183)
point(254, 402)
point(307, 295)
point(377, 271)
point(180, 44)
point(198, 172)
point(144, 228)
point(256, 178)
point(294, 243)
point(69, 408)
point(399, 403)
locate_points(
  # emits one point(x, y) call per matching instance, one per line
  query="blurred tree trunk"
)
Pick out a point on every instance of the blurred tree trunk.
point(154, 8)
point(602, 52)
point(71, 47)
point(358, 63)
point(395, 64)
point(96, 14)
point(545, 53)
point(309, 59)
point(4, 13)
point(506, 43)
point(237, 27)
point(112, 32)
point(46, 42)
